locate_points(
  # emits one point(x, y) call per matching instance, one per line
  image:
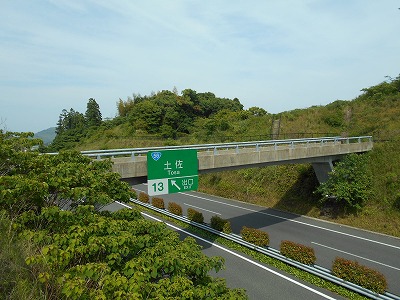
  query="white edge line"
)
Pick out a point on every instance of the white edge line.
point(238, 255)
point(295, 221)
point(202, 208)
point(367, 259)
point(245, 258)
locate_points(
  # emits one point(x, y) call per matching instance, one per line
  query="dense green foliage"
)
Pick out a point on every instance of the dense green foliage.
point(349, 185)
point(93, 114)
point(83, 254)
point(16, 279)
point(164, 114)
point(31, 181)
point(354, 272)
point(168, 114)
point(72, 126)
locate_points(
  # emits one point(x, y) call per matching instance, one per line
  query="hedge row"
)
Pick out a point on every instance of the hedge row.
point(255, 236)
point(221, 224)
point(363, 276)
point(298, 252)
point(348, 270)
point(195, 215)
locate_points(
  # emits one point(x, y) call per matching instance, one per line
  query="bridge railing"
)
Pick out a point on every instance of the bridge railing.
point(321, 141)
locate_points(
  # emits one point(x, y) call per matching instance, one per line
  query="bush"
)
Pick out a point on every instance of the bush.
point(227, 227)
point(195, 215)
point(175, 208)
point(134, 194)
point(298, 252)
point(349, 184)
point(220, 224)
point(255, 236)
point(363, 276)
point(158, 202)
point(143, 197)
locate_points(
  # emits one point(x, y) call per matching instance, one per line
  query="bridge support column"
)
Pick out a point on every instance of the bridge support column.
point(322, 170)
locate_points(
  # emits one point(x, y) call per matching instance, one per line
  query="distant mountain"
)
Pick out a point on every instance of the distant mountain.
point(46, 135)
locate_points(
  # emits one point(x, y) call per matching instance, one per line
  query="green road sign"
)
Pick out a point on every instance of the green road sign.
point(172, 171)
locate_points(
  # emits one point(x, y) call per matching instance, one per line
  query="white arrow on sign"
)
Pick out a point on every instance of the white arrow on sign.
point(173, 182)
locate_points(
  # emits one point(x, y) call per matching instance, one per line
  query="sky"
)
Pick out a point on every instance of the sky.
point(277, 55)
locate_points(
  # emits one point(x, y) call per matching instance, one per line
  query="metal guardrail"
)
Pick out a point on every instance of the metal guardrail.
point(225, 146)
point(313, 269)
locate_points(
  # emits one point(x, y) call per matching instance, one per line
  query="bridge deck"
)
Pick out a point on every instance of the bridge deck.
point(319, 152)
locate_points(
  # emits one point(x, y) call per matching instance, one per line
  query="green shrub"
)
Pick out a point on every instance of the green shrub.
point(363, 276)
point(143, 197)
point(134, 194)
point(195, 215)
point(349, 184)
point(298, 252)
point(218, 224)
point(158, 202)
point(227, 227)
point(175, 208)
point(255, 236)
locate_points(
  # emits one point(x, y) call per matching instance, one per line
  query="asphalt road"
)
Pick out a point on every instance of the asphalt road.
point(329, 240)
point(259, 280)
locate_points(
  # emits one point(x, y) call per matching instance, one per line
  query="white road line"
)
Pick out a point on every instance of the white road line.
point(202, 208)
point(246, 259)
point(374, 261)
point(295, 221)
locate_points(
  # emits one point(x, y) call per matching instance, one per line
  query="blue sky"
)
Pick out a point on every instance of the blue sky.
point(278, 55)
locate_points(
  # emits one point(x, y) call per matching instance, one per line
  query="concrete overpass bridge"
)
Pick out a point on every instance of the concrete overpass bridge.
point(131, 164)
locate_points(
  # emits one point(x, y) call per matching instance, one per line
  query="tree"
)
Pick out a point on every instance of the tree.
point(148, 114)
point(349, 185)
point(257, 111)
point(31, 181)
point(93, 114)
point(71, 127)
point(84, 254)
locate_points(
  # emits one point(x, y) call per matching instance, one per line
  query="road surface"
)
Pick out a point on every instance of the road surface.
point(259, 280)
point(329, 240)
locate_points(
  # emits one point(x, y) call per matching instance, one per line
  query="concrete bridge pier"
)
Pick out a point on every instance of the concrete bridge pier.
point(322, 169)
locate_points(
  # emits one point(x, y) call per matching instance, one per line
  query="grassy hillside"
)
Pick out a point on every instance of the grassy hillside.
point(375, 112)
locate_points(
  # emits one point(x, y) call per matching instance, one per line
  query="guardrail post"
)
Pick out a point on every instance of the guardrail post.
point(215, 150)
point(237, 149)
point(133, 156)
point(257, 147)
point(98, 157)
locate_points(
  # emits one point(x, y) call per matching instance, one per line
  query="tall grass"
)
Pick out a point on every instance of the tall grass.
point(17, 282)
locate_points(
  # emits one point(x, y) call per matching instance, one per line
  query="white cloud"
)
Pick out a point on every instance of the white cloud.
point(279, 55)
